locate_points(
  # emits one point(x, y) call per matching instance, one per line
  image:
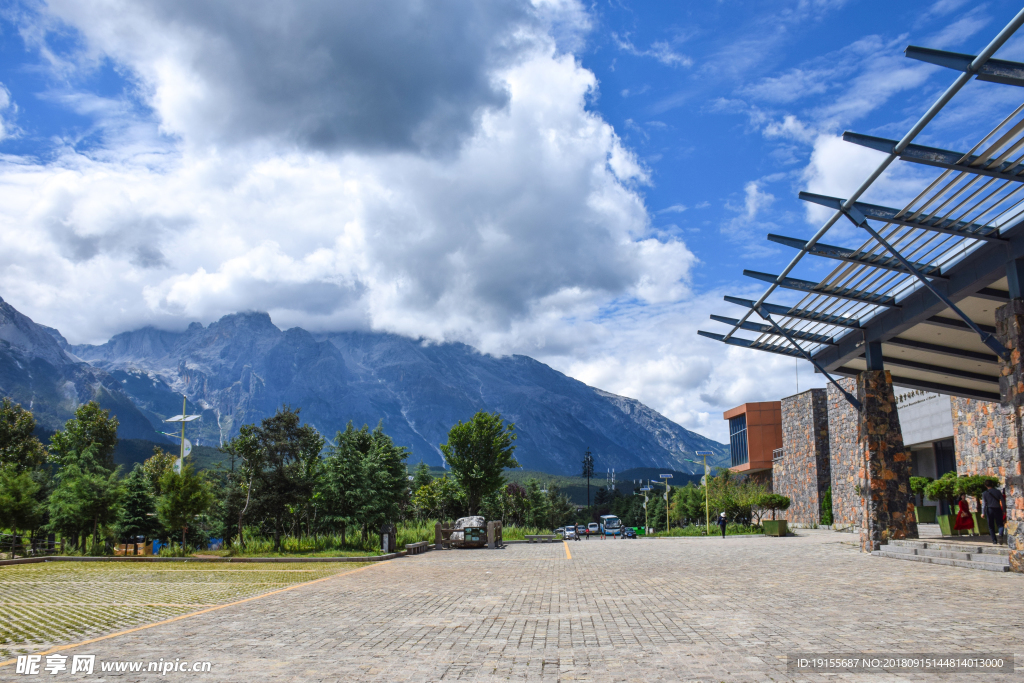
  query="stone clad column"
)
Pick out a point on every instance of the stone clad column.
point(1010, 331)
point(884, 474)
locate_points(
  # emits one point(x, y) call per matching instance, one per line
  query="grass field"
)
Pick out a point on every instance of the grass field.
point(42, 605)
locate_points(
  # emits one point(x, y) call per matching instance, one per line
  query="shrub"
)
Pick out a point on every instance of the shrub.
point(918, 484)
point(826, 507)
point(944, 488)
point(774, 502)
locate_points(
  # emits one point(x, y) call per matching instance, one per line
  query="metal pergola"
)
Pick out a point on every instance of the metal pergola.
point(918, 297)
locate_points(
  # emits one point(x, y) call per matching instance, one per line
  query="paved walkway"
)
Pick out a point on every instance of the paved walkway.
point(625, 610)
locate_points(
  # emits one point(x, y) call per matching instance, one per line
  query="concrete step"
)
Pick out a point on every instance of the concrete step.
point(966, 564)
point(953, 546)
point(945, 554)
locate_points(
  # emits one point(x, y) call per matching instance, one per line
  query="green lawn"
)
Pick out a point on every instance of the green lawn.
point(53, 603)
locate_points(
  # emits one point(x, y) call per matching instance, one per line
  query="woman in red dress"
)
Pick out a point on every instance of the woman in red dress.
point(964, 521)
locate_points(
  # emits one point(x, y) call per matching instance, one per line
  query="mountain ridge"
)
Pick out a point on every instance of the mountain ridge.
point(242, 368)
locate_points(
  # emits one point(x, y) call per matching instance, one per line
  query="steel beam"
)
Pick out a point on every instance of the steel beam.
point(940, 370)
point(749, 344)
point(992, 295)
point(954, 324)
point(853, 256)
point(928, 347)
point(940, 158)
point(887, 215)
point(993, 70)
point(937, 387)
point(849, 397)
point(816, 288)
point(768, 329)
point(815, 316)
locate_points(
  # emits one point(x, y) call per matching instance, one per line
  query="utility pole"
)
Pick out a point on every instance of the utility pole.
point(647, 521)
point(588, 471)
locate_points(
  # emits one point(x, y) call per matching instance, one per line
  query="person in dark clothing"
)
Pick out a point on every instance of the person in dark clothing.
point(722, 522)
point(995, 509)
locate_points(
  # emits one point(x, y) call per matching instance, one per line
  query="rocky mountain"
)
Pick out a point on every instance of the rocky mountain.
point(242, 368)
point(37, 372)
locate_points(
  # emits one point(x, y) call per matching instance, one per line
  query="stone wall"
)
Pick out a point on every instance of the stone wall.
point(846, 463)
point(804, 473)
point(1009, 331)
point(985, 436)
point(888, 511)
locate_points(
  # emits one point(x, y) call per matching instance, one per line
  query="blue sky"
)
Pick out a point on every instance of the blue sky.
point(576, 182)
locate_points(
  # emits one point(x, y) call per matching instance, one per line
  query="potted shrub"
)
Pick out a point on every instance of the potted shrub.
point(945, 489)
point(923, 514)
point(973, 486)
point(775, 503)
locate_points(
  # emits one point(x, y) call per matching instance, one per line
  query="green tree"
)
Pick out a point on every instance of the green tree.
point(155, 465)
point(84, 497)
point(19, 448)
point(280, 461)
point(421, 476)
point(137, 515)
point(384, 483)
point(687, 504)
point(20, 509)
point(441, 499)
point(826, 507)
point(91, 430)
point(538, 506)
point(186, 495)
point(478, 452)
point(974, 485)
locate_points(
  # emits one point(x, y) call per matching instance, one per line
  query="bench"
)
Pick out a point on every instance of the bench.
point(540, 538)
point(416, 548)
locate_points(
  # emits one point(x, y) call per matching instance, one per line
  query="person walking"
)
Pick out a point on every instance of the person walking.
point(995, 509)
point(964, 521)
point(722, 522)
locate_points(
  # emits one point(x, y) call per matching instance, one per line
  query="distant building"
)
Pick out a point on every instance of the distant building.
point(755, 432)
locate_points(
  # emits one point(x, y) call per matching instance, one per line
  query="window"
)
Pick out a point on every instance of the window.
point(738, 440)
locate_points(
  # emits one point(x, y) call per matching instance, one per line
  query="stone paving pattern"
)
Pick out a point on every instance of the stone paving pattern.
point(803, 473)
point(696, 609)
point(60, 602)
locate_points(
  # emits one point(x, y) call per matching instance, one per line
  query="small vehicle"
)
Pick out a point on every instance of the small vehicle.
point(569, 534)
point(629, 532)
point(560, 530)
point(593, 529)
point(581, 529)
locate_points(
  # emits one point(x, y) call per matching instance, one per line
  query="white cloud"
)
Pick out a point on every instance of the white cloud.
point(659, 50)
point(7, 112)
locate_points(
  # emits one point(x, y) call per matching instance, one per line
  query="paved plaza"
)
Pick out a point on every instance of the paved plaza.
point(618, 610)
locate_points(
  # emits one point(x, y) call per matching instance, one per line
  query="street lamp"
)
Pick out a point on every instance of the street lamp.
point(666, 477)
point(704, 483)
point(186, 445)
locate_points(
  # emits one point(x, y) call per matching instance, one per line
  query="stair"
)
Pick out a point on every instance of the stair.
point(993, 558)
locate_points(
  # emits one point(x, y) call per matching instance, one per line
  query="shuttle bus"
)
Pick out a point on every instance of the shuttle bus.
point(610, 525)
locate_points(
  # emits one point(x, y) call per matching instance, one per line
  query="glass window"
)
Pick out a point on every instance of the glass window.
point(738, 440)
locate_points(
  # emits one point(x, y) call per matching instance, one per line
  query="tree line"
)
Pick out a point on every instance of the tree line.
point(280, 478)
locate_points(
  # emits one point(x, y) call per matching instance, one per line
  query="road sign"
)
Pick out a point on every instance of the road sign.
point(645, 488)
point(665, 476)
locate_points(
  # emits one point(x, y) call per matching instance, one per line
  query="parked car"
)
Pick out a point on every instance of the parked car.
point(581, 529)
point(559, 531)
point(569, 534)
point(593, 529)
point(629, 532)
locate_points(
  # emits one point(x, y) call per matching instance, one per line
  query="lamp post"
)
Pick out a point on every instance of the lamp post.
point(704, 482)
point(666, 477)
point(186, 446)
point(647, 521)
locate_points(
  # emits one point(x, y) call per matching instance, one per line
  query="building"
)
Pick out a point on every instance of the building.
point(755, 431)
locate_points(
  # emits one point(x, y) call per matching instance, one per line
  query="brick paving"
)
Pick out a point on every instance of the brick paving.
point(643, 610)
